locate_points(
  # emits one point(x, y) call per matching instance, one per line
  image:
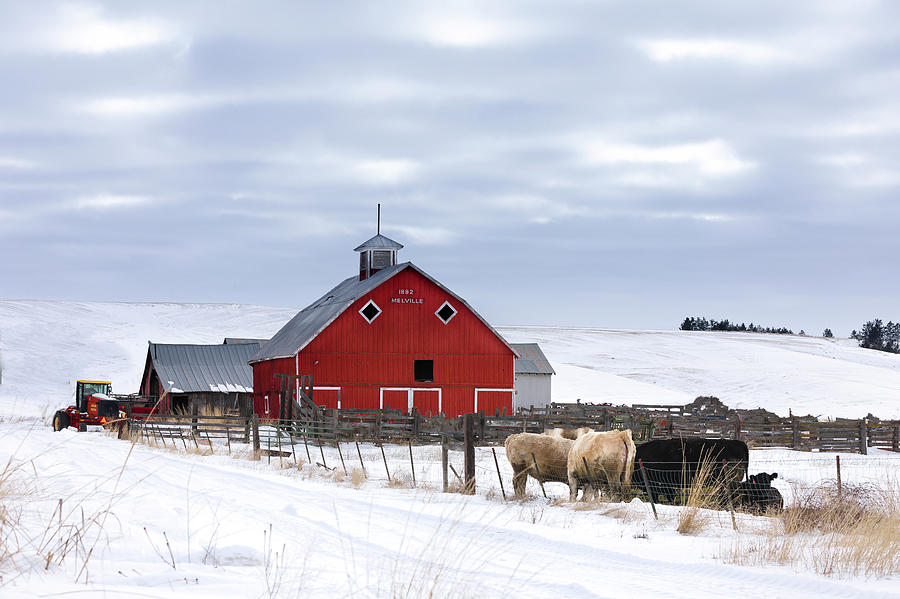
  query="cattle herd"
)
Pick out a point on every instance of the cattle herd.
point(667, 470)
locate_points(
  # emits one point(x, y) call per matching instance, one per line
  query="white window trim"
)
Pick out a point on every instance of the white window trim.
point(489, 390)
point(366, 305)
point(409, 396)
point(455, 312)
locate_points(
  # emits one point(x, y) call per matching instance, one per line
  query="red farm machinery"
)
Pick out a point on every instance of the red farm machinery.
point(95, 405)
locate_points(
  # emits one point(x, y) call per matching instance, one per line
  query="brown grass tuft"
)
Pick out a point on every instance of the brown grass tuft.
point(852, 533)
point(357, 477)
point(702, 496)
point(401, 480)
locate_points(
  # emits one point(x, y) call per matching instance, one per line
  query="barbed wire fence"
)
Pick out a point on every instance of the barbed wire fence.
point(436, 461)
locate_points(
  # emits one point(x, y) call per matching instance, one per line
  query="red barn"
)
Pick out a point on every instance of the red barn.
point(393, 336)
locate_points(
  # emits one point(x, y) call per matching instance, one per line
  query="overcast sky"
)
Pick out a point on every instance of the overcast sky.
point(613, 164)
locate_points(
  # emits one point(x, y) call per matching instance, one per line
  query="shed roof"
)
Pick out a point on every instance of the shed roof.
point(221, 368)
point(312, 320)
point(379, 242)
point(531, 359)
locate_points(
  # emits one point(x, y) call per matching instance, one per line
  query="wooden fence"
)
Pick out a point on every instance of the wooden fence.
point(645, 423)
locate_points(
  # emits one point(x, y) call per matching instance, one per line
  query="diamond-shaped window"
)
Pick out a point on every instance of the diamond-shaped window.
point(370, 311)
point(446, 312)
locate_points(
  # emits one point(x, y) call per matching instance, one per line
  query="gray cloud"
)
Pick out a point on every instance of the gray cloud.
point(610, 164)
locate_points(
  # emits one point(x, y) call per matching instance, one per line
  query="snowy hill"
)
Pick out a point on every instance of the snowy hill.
point(807, 375)
point(46, 345)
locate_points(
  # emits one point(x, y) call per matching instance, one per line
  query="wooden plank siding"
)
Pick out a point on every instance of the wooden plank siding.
point(361, 358)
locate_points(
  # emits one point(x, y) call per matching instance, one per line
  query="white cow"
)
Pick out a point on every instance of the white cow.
point(550, 454)
point(598, 459)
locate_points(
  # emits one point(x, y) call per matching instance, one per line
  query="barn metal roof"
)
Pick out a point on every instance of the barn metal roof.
point(242, 341)
point(379, 242)
point(203, 368)
point(312, 320)
point(531, 359)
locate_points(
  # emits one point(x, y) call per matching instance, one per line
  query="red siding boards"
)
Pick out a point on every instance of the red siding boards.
point(366, 359)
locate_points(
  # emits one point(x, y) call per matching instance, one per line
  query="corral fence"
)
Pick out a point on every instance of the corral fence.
point(645, 422)
point(408, 448)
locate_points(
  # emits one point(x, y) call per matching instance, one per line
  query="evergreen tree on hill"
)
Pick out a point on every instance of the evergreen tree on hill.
point(877, 335)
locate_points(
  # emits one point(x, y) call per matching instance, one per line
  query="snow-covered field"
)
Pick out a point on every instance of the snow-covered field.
point(150, 522)
point(45, 346)
point(171, 524)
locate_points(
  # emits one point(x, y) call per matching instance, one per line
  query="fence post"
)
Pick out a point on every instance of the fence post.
point(254, 426)
point(383, 457)
point(647, 488)
point(837, 461)
point(795, 433)
point(444, 458)
point(363, 466)
point(322, 453)
point(469, 440)
point(737, 429)
point(863, 438)
point(416, 417)
point(341, 455)
point(412, 466)
point(280, 457)
point(497, 464)
point(481, 426)
point(194, 412)
point(895, 438)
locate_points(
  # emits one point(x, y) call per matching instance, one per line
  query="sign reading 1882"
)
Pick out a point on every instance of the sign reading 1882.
point(405, 297)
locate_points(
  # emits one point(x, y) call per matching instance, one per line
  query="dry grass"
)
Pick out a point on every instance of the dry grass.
point(10, 515)
point(852, 533)
point(357, 477)
point(401, 480)
point(69, 537)
point(702, 498)
point(824, 508)
point(622, 512)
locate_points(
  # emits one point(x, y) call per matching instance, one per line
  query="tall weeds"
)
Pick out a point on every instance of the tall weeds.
point(703, 495)
point(10, 515)
point(854, 531)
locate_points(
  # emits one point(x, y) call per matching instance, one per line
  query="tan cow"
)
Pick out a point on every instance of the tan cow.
point(550, 454)
point(609, 457)
point(568, 433)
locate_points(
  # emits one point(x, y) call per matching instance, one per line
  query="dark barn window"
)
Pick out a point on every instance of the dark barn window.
point(424, 371)
point(370, 311)
point(446, 312)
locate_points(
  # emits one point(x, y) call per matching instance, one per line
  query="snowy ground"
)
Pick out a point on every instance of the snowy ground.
point(807, 375)
point(153, 522)
point(332, 537)
point(45, 346)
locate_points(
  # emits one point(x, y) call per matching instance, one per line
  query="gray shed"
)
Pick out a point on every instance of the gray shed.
point(210, 378)
point(533, 372)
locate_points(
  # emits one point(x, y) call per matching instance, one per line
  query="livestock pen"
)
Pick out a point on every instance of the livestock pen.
point(397, 447)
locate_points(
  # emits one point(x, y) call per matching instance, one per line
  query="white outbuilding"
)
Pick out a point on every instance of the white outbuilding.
point(533, 372)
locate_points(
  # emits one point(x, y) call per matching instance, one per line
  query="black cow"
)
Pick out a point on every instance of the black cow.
point(671, 465)
point(757, 494)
